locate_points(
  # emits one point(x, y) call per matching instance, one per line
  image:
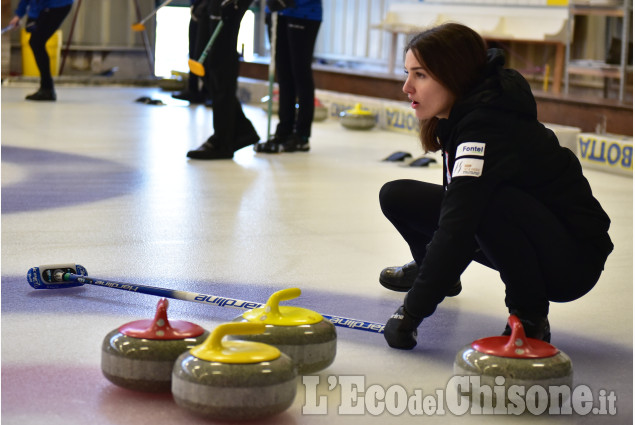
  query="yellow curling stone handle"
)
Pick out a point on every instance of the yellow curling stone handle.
point(358, 110)
point(214, 349)
point(273, 314)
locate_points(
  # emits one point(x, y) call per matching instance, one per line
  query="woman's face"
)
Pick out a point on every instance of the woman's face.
point(429, 98)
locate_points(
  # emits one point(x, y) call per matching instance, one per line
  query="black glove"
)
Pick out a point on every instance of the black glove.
point(401, 330)
point(198, 10)
point(211, 8)
point(229, 8)
point(278, 5)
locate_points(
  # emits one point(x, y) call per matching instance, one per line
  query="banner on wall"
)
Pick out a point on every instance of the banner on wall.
point(606, 152)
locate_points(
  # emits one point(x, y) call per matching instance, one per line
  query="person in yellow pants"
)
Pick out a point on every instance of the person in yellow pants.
point(44, 17)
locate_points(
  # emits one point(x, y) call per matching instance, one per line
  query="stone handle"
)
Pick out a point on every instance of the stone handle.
point(272, 309)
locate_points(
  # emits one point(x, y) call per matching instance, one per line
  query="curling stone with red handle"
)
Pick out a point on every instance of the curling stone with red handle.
point(304, 335)
point(234, 380)
point(320, 112)
point(357, 118)
point(140, 355)
point(515, 360)
point(275, 103)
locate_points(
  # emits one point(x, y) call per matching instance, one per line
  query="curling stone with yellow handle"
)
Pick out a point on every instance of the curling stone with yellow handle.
point(519, 369)
point(234, 380)
point(304, 335)
point(357, 118)
point(140, 355)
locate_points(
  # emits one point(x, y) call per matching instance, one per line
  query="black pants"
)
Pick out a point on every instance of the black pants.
point(295, 44)
point(193, 80)
point(221, 81)
point(46, 24)
point(537, 258)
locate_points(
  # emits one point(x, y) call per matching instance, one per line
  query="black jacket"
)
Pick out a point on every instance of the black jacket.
point(493, 138)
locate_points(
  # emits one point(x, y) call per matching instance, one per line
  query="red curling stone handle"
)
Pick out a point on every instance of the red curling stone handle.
point(517, 345)
point(160, 328)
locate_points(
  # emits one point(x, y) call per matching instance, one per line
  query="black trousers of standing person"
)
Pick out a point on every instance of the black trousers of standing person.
point(295, 44)
point(221, 79)
point(538, 259)
point(43, 28)
point(193, 79)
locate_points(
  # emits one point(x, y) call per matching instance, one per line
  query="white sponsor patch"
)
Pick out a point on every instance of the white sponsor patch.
point(470, 148)
point(467, 167)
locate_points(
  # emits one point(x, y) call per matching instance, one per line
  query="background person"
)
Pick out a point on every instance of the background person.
point(298, 25)
point(44, 17)
point(194, 93)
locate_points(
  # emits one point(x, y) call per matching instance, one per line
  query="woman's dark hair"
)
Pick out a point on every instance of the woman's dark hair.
point(455, 56)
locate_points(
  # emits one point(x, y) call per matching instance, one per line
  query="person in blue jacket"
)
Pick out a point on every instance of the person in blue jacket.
point(44, 17)
point(297, 29)
point(512, 198)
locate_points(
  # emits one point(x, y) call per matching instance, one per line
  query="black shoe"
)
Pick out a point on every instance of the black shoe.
point(399, 279)
point(208, 151)
point(43, 94)
point(295, 143)
point(535, 327)
point(402, 278)
point(273, 145)
point(241, 141)
point(193, 98)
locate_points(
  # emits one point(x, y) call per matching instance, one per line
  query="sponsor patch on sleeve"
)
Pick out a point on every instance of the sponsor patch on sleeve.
point(467, 167)
point(471, 149)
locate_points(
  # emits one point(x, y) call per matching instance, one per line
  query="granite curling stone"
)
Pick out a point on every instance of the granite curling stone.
point(304, 335)
point(357, 118)
point(140, 355)
point(320, 112)
point(275, 103)
point(234, 380)
point(516, 360)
